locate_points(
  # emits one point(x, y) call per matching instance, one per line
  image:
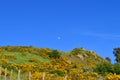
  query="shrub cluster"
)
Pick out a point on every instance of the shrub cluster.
point(105, 68)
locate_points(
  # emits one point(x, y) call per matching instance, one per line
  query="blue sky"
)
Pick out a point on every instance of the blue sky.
point(61, 24)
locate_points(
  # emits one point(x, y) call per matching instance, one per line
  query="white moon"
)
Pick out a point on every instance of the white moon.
point(59, 38)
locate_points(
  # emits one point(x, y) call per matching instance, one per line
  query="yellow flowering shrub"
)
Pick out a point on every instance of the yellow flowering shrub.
point(111, 76)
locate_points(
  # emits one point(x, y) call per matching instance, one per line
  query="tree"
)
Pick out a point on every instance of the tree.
point(116, 53)
point(108, 59)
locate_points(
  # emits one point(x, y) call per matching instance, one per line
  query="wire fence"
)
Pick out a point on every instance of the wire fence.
point(13, 75)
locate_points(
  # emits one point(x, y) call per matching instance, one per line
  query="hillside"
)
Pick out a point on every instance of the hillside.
point(77, 64)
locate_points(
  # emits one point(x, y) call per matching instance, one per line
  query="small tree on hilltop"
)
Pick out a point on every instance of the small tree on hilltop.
point(116, 53)
point(108, 59)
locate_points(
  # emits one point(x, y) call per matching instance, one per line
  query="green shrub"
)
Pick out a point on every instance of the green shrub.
point(117, 68)
point(33, 60)
point(54, 54)
point(58, 72)
point(104, 68)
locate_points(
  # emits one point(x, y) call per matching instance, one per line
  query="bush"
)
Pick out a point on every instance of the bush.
point(33, 60)
point(58, 72)
point(77, 51)
point(10, 57)
point(117, 68)
point(86, 69)
point(111, 76)
point(54, 54)
point(104, 68)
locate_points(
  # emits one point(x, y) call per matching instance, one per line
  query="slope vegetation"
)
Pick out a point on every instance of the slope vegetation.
point(77, 64)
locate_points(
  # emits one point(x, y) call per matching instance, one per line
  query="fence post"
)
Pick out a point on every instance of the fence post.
point(29, 75)
point(43, 77)
point(11, 74)
point(65, 78)
point(0, 72)
point(5, 73)
point(18, 74)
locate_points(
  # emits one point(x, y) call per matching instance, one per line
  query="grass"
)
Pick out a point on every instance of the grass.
point(24, 59)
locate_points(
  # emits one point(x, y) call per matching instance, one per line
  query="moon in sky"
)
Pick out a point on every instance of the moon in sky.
point(59, 38)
